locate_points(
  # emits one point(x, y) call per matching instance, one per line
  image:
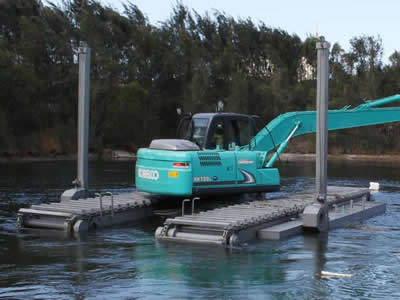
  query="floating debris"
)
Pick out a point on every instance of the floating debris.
point(325, 274)
point(374, 186)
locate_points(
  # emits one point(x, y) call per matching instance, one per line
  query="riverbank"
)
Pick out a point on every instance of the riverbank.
point(107, 155)
point(120, 155)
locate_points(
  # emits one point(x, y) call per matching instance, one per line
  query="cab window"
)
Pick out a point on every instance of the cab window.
point(193, 130)
point(199, 131)
point(217, 135)
point(239, 132)
point(185, 129)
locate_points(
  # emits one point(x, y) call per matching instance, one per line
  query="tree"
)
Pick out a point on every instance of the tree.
point(140, 73)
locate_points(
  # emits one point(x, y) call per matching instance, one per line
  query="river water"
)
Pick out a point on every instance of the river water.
point(127, 263)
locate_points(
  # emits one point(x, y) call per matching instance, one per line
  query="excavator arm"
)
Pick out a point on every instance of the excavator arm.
point(280, 130)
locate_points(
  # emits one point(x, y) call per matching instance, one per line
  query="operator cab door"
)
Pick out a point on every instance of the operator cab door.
point(216, 135)
point(227, 131)
point(240, 130)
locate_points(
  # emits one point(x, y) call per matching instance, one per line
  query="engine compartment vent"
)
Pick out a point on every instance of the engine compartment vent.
point(208, 159)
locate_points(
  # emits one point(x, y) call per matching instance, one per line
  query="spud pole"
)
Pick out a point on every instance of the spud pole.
point(83, 115)
point(321, 166)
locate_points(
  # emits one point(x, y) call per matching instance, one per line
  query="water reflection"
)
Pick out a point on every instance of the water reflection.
point(317, 243)
point(204, 265)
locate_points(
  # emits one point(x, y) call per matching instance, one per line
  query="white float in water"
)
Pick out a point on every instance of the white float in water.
point(374, 186)
point(325, 274)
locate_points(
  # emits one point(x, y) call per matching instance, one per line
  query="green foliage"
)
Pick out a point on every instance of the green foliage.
point(128, 115)
point(140, 73)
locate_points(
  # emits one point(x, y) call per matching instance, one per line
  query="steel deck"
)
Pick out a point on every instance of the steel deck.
point(228, 225)
point(84, 214)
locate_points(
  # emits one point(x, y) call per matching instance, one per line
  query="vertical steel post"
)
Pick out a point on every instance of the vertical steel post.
point(83, 115)
point(322, 119)
point(315, 216)
point(322, 124)
point(81, 182)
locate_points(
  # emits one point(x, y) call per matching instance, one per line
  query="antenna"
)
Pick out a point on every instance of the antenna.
point(220, 106)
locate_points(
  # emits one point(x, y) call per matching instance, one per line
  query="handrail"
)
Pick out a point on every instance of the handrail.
point(112, 201)
point(101, 203)
point(183, 206)
point(100, 195)
point(193, 201)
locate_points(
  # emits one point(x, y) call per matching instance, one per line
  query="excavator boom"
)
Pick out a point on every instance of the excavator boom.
point(277, 131)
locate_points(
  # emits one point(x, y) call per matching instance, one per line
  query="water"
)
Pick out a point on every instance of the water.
point(127, 263)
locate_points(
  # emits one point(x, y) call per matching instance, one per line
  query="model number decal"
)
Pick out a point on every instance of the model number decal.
point(245, 162)
point(148, 174)
point(201, 179)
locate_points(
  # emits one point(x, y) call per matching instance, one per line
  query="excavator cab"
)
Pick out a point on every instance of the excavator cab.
point(205, 159)
point(221, 131)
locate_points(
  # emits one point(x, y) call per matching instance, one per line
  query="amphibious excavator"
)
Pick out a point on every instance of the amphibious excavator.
point(222, 153)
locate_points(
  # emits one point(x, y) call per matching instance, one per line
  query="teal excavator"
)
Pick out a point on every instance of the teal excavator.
point(222, 153)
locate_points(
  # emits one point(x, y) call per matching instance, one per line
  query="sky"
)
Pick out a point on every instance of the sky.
point(338, 20)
